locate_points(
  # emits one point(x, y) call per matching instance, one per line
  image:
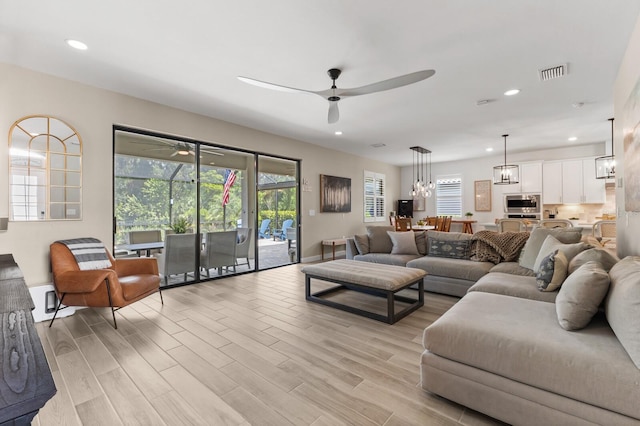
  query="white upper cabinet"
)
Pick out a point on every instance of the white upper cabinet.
point(531, 177)
point(552, 183)
point(572, 182)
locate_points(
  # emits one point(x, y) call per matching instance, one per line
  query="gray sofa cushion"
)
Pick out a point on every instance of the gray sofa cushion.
point(386, 258)
point(362, 243)
point(552, 244)
point(623, 305)
point(580, 296)
point(513, 285)
point(453, 268)
point(521, 340)
point(379, 240)
point(531, 249)
point(604, 257)
point(403, 242)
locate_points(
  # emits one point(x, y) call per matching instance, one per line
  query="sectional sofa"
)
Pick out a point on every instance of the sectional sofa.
point(558, 346)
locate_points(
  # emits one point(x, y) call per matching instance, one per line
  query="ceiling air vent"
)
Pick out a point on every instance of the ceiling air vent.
point(553, 72)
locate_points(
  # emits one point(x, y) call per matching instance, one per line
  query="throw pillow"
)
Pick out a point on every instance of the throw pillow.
point(606, 259)
point(362, 243)
point(552, 272)
point(403, 242)
point(379, 240)
point(580, 295)
point(531, 249)
point(421, 242)
point(623, 305)
point(552, 244)
point(460, 249)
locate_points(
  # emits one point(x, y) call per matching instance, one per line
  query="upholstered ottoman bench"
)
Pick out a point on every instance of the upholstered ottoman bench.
point(365, 277)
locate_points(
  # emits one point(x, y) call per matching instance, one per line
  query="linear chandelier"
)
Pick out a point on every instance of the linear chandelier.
point(506, 174)
point(606, 165)
point(419, 185)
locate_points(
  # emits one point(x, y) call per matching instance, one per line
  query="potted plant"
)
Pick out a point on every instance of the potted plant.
point(181, 225)
point(468, 215)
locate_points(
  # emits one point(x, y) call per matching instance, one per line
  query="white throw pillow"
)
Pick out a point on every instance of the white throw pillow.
point(403, 242)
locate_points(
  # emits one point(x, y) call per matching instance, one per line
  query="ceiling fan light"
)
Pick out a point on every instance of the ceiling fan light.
point(183, 152)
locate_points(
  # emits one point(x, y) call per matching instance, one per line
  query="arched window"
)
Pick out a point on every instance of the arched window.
point(45, 181)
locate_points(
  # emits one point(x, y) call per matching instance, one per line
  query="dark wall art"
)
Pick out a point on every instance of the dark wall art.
point(335, 194)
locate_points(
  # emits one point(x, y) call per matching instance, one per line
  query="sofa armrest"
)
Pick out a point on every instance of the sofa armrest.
point(83, 281)
point(351, 248)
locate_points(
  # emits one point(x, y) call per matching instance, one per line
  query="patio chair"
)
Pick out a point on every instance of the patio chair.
point(219, 251)
point(124, 282)
point(292, 243)
point(147, 236)
point(264, 231)
point(285, 225)
point(178, 256)
point(242, 247)
point(511, 225)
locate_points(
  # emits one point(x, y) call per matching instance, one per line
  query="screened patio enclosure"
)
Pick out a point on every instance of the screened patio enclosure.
point(169, 190)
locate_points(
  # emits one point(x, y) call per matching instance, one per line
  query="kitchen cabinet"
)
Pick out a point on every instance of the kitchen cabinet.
point(572, 182)
point(530, 180)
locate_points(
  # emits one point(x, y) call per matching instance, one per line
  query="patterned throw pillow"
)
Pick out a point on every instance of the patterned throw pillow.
point(552, 272)
point(453, 249)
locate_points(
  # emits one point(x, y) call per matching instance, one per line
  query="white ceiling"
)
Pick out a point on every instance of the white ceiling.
point(188, 55)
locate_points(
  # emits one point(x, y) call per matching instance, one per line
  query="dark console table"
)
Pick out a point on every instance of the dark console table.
point(26, 383)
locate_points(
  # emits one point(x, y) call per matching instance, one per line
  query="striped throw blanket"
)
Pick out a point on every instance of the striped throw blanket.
point(90, 253)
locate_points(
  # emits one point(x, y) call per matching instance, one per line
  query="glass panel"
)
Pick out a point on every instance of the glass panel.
point(35, 125)
point(73, 163)
point(57, 195)
point(57, 177)
point(74, 179)
point(55, 145)
point(277, 212)
point(58, 161)
point(57, 211)
point(39, 143)
point(72, 211)
point(72, 145)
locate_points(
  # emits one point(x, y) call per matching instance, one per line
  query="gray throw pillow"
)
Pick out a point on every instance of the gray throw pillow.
point(552, 244)
point(362, 243)
point(581, 295)
point(531, 249)
point(421, 242)
point(379, 240)
point(552, 271)
point(623, 305)
point(403, 242)
point(606, 259)
point(456, 249)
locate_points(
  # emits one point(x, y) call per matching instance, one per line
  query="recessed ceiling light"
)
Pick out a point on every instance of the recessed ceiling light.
point(572, 139)
point(76, 44)
point(489, 149)
point(512, 92)
point(337, 133)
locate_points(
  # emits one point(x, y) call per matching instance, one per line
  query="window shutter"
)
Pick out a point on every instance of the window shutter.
point(374, 197)
point(449, 196)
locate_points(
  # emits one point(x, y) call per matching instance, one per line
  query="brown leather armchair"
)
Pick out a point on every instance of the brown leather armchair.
point(127, 281)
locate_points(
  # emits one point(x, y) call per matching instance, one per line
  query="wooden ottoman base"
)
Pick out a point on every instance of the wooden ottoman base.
point(371, 278)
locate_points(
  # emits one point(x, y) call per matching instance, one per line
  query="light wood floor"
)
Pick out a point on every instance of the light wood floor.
point(245, 350)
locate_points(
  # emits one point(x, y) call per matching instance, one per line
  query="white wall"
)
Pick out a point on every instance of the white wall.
point(482, 169)
point(93, 112)
point(628, 223)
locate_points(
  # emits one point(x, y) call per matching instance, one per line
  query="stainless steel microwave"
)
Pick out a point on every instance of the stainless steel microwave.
point(527, 204)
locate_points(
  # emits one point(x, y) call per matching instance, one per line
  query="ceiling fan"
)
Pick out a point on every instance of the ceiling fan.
point(333, 94)
point(185, 149)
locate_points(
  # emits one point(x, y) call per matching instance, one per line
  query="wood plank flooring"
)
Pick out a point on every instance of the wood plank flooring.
point(245, 350)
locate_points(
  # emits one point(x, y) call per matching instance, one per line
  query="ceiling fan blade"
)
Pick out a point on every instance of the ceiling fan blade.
point(391, 83)
point(334, 113)
point(272, 86)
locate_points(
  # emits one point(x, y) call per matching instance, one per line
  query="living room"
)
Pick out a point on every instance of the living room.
point(93, 111)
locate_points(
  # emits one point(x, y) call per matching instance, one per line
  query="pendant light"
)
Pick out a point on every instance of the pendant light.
point(606, 166)
point(419, 186)
point(507, 173)
point(431, 185)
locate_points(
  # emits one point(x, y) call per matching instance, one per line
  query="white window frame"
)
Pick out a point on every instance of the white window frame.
point(449, 198)
point(374, 197)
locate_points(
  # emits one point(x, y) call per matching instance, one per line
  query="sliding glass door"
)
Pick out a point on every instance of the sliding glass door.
point(203, 211)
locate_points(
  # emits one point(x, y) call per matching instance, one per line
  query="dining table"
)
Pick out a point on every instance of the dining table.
point(467, 225)
point(140, 247)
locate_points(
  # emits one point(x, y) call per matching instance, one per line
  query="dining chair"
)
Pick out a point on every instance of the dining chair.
point(403, 224)
point(604, 231)
point(219, 251)
point(511, 225)
point(243, 244)
point(555, 223)
point(444, 223)
point(123, 282)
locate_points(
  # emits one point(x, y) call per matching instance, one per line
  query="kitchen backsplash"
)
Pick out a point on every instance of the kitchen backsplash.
point(587, 213)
